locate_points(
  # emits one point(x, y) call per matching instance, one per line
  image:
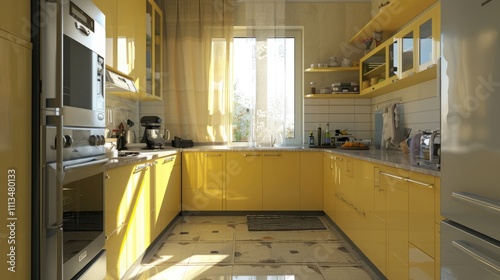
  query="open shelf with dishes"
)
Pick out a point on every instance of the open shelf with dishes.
point(332, 69)
point(342, 73)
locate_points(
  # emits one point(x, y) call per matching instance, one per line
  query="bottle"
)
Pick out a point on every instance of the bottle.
point(311, 140)
point(327, 135)
point(319, 135)
point(313, 88)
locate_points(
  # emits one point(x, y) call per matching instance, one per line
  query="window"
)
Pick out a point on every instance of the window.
point(266, 97)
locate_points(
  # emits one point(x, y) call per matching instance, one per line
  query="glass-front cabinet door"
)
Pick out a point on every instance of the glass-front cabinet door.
point(428, 38)
point(153, 49)
point(407, 54)
point(393, 50)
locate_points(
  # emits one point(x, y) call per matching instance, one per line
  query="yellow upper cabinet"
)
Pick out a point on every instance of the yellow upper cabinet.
point(15, 18)
point(405, 59)
point(134, 42)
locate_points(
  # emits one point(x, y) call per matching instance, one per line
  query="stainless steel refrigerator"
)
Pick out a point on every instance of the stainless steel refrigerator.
point(470, 143)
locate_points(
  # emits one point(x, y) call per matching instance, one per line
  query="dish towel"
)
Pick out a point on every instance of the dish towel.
point(389, 125)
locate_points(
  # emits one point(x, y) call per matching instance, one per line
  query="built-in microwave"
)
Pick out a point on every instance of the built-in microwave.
point(74, 61)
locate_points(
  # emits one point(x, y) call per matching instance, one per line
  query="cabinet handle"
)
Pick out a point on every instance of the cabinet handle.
point(210, 155)
point(476, 254)
point(338, 158)
point(251, 155)
point(430, 186)
point(478, 201)
point(167, 160)
point(141, 167)
point(153, 163)
point(392, 176)
point(272, 155)
point(107, 176)
point(115, 230)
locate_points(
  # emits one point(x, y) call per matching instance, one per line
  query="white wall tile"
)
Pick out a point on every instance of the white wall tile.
point(311, 109)
point(342, 118)
point(362, 118)
point(336, 109)
point(363, 109)
point(347, 101)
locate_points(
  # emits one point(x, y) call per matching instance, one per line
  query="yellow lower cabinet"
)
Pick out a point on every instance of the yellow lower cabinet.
point(329, 198)
point(421, 211)
point(394, 181)
point(202, 181)
point(421, 264)
point(311, 181)
point(166, 192)
point(377, 251)
point(116, 255)
point(116, 213)
point(243, 171)
point(280, 181)
point(138, 233)
point(363, 202)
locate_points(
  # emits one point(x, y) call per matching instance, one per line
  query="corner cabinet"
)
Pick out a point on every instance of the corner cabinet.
point(408, 58)
point(134, 43)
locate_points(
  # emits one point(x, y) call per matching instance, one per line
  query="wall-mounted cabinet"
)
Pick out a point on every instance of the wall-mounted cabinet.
point(406, 59)
point(134, 43)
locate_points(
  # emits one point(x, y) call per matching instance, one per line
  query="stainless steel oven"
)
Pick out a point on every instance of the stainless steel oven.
point(72, 128)
point(74, 45)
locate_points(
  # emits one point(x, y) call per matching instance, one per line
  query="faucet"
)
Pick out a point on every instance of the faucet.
point(431, 144)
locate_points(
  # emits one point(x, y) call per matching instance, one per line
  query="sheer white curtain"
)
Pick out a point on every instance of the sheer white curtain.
point(199, 82)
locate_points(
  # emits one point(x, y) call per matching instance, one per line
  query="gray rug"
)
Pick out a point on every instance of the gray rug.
point(283, 223)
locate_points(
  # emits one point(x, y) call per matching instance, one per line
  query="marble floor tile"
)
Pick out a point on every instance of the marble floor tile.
point(208, 272)
point(193, 252)
point(292, 252)
point(278, 272)
point(174, 272)
point(213, 220)
point(202, 232)
point(242, 233)
point(345, 272)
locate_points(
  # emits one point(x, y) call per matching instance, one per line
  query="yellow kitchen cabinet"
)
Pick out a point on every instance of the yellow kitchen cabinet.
point(344, 172)
point(109, 9)
point(116, 255)
point(243, 171)
point(139, 212)
point(16, 139)
point(115, 198)
point(377, 251)
point(421, 212)
point(280, 180)
point(395, 183)
point(202, 181)
point(363, 202)
point(329, 197)
point(134, 43)
point(15, 18)
point(166, 193)
point(421, 265)
point(311, 181)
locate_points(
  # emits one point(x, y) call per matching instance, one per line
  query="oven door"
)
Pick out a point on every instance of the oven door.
point(74, 217)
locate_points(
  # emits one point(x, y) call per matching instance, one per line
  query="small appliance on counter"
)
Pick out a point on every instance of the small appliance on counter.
point(430, 148)
point(181, 143)
point(152, 133)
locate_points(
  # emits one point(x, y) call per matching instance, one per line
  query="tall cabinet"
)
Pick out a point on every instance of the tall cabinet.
point(15, 140)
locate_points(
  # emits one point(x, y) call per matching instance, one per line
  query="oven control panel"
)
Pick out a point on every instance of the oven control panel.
point(77, 143)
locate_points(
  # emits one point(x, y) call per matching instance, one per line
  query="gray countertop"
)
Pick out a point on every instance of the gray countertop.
point(394, 158)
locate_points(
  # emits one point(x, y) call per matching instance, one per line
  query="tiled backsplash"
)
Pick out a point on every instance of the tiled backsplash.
point(421, 111)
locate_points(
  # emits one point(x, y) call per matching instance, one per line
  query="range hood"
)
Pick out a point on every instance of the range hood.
point(116, 82)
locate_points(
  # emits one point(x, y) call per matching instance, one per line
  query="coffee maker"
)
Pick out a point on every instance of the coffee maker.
point(152, 132)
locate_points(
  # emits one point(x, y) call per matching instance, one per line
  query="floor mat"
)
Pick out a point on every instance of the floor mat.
point(283, 223)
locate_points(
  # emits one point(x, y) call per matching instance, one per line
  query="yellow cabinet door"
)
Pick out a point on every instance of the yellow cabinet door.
point(363, 202)
point(311, 181)
point(396, 185)
point(280, 180)
point(15, 18)
point(243, 181)
point(421, 265)
point(329, 196)
point(166, 193)
point(116, 255)
point(421, 212)
point(427, 30)
point(109, 9)
point(138, 227)
point(202, 181)
point(115, 198)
